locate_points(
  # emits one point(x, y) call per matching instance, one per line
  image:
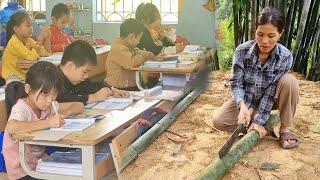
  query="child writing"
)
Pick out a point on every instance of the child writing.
point(34, 108)
point(123, 56)
point(152, 39)
point(60, 39)
point(20, 46)
point(77, 61)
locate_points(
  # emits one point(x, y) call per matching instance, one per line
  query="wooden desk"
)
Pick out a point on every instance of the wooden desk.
point(86, 140)
point(181, 69)
point(102, 54)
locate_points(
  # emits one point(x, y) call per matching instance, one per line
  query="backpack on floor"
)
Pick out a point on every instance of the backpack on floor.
point(149, 118)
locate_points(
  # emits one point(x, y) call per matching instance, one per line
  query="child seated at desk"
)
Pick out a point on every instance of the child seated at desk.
point(20, 46)
point(32, 107)
point(77, 61)
point(123, 56)
point(60, 16)
point(60, 39)
point(151, 40)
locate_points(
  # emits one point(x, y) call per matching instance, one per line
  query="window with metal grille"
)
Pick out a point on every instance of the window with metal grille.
point(119, 10)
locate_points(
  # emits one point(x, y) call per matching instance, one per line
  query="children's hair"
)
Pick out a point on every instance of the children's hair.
point(272, 15)
point(147, 12)
point(42, 75)
point(80, 53)
point(59, 10)
point(131, 26)
point(15, 20)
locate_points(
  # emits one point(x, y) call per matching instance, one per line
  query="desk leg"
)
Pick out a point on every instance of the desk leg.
point(138, 81)
point(88, 162)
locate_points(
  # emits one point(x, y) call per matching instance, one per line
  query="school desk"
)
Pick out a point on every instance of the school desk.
point(86, 140)
point(101, 51)
point(186, 70)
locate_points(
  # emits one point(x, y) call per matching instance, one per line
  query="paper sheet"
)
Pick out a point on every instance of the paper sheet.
point(50, 135)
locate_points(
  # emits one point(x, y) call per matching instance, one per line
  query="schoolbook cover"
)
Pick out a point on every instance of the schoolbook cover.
point(71, 157)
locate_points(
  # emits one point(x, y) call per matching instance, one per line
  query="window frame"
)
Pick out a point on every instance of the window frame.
point(95, 12)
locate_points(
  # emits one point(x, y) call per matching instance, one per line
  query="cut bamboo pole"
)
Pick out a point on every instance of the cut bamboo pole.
point(220, 167)
point(146, 139)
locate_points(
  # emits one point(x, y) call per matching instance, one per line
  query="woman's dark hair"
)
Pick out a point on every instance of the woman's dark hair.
point(80, 53)
point(272, 15)
point(15, 20)
point(42, 75)
point(59, 10)
point(147, 12)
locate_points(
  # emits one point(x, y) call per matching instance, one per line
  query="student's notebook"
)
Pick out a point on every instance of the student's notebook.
point(76, 124)
point(112, 104)
point(54, 58)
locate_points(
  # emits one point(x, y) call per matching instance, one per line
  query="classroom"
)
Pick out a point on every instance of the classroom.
point(159, 89)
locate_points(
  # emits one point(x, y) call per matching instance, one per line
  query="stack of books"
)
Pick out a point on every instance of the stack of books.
point(160, 64)
point(65, 163)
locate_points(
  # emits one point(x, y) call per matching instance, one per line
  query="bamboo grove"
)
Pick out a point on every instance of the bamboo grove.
point(302, 32)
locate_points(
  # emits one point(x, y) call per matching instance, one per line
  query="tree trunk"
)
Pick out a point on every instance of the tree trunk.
point(301, 29)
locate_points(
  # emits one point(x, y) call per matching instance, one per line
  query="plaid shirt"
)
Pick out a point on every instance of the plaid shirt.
point(256, 83)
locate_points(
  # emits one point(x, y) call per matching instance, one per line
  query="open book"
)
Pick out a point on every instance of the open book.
point(112, 104)
point(193, 49)
point(76, 124)
point(54, 58)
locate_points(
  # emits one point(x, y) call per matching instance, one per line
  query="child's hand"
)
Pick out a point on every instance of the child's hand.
point(45, 33)
point(120, 93)
point(146, 54)
point(55, 121)
point(38, 49)
point(159, 57)
point(180, 47)
point(103, 94)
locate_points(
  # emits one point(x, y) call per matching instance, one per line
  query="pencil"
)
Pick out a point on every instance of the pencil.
point(54, 107)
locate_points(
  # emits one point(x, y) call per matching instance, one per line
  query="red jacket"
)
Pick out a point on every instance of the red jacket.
point(59, 39)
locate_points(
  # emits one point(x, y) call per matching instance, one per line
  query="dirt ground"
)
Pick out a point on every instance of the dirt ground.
point(202, 146)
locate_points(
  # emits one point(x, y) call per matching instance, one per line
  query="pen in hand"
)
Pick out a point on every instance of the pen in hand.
point(54, 107)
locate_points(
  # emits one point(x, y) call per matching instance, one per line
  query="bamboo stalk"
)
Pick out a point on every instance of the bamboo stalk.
point(289, 21)
point(296, 6)
point(301, 29)
point(146, 139)
point(220, 167)
point(253, 17)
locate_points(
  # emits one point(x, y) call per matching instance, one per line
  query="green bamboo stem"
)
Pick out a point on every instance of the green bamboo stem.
point(220, 167)
point(146, 139)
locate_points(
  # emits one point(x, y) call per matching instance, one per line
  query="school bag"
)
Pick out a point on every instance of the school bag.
point(149, 118)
